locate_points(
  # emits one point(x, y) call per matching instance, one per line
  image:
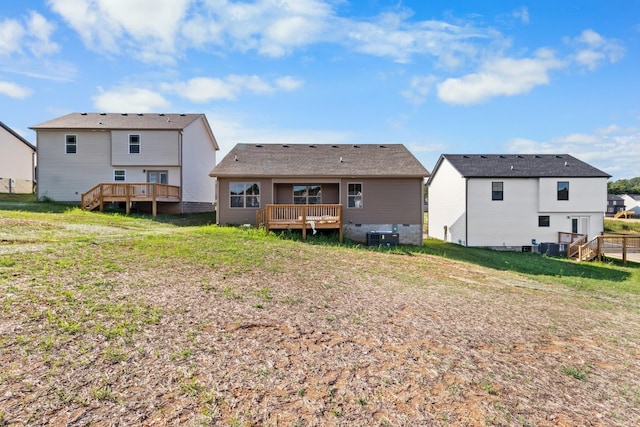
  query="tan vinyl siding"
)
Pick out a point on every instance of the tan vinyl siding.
point(16, 163)
point(198, 154)
point(157, 148)
point(64, 177)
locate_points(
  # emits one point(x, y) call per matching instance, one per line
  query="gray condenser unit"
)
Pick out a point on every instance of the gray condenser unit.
point(383, 238)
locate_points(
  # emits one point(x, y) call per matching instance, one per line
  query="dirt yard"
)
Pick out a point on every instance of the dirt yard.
point(342, 338)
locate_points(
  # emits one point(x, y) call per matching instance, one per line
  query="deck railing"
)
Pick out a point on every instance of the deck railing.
point(302, 217)
point(573, 242)
point(609, 244)
point(129, 192)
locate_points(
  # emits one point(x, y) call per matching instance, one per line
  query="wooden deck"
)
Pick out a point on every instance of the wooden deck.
point(303, 217)
point(619, 245)
point(129, 192)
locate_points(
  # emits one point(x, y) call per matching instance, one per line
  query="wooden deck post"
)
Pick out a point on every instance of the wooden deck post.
point(304, 222)
point(154, 203)
point(624, 250)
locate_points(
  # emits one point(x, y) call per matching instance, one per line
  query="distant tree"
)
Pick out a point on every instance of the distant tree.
point(624, 186)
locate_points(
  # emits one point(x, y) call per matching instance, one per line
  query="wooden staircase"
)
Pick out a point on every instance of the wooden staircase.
point(624, 214)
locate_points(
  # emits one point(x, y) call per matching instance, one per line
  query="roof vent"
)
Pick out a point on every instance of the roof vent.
point(383, 146)
point(312, 146)
point(356, 146)
point(103, 114)
point(341, 161)
point(83, 114)
point(566, 163)
point(285, 146)
point(511, 167)
point(124, 114)
point(140, 114)
point(259, 145)
point(182, 114)
point(161, 114)
point(235, 158)
point(502, 157)
point(483, 157)
point(334, 146)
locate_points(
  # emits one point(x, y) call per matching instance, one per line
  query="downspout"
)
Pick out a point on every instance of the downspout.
point(180, 157)
point(466, 212)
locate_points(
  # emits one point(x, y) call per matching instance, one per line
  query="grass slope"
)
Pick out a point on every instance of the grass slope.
point(107, 319)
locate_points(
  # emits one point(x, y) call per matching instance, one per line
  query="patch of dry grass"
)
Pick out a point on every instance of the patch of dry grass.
point(215, 326)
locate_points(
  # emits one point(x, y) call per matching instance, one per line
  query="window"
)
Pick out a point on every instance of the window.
point(563, 190)
point(244, 194)
point(134, 144)
point(497, 191)
point(307, 194)
point(354, 196)
point(119, 175)
point(544, 221)
point(71, 144)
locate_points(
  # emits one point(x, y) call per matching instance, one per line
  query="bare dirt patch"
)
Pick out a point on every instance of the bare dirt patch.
point(335, 338)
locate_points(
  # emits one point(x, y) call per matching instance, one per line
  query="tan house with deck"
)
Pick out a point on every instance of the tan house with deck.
point(154, 162)
point(17, 162)
point(355, 189)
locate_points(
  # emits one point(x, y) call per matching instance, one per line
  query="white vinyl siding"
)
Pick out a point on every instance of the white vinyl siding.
point(161, 148)
point(447, 205)
point(198, 158)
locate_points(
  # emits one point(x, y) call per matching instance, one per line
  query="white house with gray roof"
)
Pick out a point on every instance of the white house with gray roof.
point(378, 187)
point(17, 162)
point(78, 151)
point(508, 201)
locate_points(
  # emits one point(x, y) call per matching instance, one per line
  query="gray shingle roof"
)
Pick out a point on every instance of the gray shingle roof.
point(521, 166)
point(119, 121)
point(300, 160)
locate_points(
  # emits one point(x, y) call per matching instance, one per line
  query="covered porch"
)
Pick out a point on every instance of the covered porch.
point(128, 193)
point(304, 217)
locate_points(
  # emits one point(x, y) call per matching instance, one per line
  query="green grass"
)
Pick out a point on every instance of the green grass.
point(621, 226)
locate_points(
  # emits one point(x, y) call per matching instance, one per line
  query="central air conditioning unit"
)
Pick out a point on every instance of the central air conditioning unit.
point(383, 238)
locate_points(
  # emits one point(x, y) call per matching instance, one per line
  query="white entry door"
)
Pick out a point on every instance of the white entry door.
point(580, 225)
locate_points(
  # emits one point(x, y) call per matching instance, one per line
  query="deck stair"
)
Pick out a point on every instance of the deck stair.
point(624, 214)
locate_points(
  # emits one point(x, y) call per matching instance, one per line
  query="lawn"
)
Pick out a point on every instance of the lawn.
point(108, 319)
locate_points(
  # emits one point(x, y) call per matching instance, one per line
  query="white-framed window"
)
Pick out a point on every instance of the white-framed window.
point(119, 175)
point(71, 144)
point(307, 194)
point(158, 177)
point(134, 144)
point(244, 194)
point(497, 190)
point(354, 195)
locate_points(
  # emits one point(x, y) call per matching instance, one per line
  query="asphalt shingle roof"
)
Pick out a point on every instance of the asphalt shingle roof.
point(119, 121)
point(336, 160)
point(521, 166)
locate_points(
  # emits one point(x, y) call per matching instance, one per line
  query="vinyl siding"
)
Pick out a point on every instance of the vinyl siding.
point(447, 203)
point(384, 201)
point(16, 162)
point(585, 195)
point(157, 148)
point(225, 215)
point(199, 156)
point(64, 177)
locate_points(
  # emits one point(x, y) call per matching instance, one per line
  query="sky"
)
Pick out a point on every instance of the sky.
point(440, 77)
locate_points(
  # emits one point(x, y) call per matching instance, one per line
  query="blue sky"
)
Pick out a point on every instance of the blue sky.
point(437, 76)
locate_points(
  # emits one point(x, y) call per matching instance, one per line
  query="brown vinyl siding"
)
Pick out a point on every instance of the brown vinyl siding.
point(396, 201)
point(240, 215)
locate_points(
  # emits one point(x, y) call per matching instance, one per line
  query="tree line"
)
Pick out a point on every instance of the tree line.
point(624, 186)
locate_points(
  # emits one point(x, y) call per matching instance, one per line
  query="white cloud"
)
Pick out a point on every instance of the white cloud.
point(146, 27)
point(13, 90)
point(614, 150)
point(34, 34)
point(205, 89)
point(11, 34)
point(500, 77)
point(592, 50)
point(289, 83)
point(41, 29)
point(419, 88)
point(129, 100)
